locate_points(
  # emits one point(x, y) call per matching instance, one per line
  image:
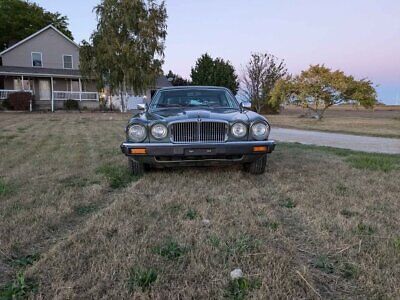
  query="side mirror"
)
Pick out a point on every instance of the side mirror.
point(245, 105)
point(142, 106)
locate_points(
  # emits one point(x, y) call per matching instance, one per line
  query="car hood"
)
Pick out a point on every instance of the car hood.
point(179, 114)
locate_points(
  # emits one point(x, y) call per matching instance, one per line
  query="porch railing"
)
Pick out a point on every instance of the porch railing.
point(4, 94)
point(62, 95)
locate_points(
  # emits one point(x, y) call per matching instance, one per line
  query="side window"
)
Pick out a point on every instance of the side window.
point(67, 61)
point(37, 59)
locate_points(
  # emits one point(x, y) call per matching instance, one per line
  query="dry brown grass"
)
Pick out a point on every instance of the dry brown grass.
point(383, 121)
point(313, 225)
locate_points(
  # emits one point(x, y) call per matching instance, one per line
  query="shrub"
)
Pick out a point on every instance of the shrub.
point(71, 105)
point(19, 101)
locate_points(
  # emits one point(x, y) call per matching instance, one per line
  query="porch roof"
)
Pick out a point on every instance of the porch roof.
point(39, 72)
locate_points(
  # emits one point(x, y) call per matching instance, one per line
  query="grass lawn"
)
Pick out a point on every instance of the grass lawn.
point(381, 122)
point(322, 222)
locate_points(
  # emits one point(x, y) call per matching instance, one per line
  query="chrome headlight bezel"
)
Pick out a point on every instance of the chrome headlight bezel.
point(137, 133)
point(257, 134)
point(235, 133)
point(155, 134)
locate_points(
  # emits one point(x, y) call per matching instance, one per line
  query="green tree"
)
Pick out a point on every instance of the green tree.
point(319, 88)
point(177, 80)
point(261, 74)
point(214, 72)
point(127, 48)
point(19, 19)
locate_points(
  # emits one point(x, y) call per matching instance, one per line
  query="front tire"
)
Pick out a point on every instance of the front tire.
point(256, 167)
point(136, 168)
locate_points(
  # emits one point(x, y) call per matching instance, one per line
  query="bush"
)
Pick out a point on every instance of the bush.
point(71, 105)
point(19, 101)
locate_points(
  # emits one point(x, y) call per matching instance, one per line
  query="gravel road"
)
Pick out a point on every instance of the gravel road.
point(338, 140)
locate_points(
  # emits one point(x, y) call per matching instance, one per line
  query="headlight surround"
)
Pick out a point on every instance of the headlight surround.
point(159, 131)
point(137, 133)
point(260, 131)
point(239, 130)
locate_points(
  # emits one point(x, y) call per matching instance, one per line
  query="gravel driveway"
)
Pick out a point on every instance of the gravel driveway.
point(338, 140)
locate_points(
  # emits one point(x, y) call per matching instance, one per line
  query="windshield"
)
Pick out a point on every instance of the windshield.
point(209, 98)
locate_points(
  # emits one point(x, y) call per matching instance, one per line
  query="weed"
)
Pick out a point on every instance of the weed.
point(348, 270)
point(173, 208)
point(363, 228)
point(83, 210)
point(269, 224)
point(348, 213)
point(341, 189)
point(324, 264)
point(191, 214)
point(141, 278)
point(288, 203)
point(19, 289)
point(214, 240)
point(118, 177)
point(170, 250)
point(25, 260)
point(374, 162)
point(242, 244)
point(239, 288)
point(5, 189)
point(396, 244)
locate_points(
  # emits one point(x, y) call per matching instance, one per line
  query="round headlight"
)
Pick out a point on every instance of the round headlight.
point(137, 133)
point(239, 130)
point(159, 131)
point(260, 131)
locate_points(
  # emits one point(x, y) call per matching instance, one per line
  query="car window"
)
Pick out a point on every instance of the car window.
point(212, 98)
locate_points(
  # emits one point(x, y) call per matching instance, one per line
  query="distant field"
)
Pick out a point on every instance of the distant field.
point(73, 224)
point(383, 121)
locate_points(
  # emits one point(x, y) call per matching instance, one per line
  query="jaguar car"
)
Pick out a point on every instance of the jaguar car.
point(194, 125)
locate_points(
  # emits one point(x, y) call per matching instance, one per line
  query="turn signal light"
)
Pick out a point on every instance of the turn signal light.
point(260, 149)
point(138, 151)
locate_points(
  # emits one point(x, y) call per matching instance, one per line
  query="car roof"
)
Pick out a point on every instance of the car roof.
point(197, 87)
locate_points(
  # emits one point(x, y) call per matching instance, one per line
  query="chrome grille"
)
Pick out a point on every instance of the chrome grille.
point(199, 132)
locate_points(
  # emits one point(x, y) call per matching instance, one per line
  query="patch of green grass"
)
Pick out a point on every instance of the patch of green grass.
point(22, 129)
point(341, 189)
point(173, 208)
point(117, 176)
point(363, 228)
point(83, 210)
point(288, 203)
point(396, 243)
point(238, 289)
point(25, 261)
point(214, 240)
point(76, 181)
point(5, 188)
point(191, 214)
point(171, 250)
point(5, 139)
point(20, 288)
point(324, 264)
point(374, 162)
point(141, 278)
point(348, 213)
point(241, 244)
point(264, 222)
point(348, 270)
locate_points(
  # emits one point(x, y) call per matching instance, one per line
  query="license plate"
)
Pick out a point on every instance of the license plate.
point(200, 151)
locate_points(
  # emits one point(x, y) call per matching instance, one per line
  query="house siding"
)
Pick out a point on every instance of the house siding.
point(52, 46)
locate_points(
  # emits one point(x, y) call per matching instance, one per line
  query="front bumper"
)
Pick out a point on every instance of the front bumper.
point(169, 153)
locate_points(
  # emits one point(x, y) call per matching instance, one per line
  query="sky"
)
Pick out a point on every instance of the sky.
point(360, 37)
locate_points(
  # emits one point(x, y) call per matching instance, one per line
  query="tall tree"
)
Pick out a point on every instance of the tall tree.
point(177, 80)
point(19, 19)
point(214, 72)
point(319, 88)
point(127, 49)
point(259, 78)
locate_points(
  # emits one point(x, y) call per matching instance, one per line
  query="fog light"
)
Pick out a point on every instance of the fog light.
point(260, 149)
point(138, 151)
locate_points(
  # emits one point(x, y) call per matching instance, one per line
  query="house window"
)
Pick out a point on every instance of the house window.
point(67, 61)
point(37, 59)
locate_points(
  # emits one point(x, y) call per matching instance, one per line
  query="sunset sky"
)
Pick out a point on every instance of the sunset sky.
point(361, 37)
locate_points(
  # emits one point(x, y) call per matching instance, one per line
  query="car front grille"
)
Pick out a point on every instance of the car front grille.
point(199, 132)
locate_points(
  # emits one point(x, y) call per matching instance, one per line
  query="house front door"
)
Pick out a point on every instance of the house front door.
point(44, 89)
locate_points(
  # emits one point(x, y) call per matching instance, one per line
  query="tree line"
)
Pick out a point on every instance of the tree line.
point(126, 52)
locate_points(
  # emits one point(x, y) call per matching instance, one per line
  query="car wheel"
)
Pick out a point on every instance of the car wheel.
point(256, 167)
point(136, 168)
